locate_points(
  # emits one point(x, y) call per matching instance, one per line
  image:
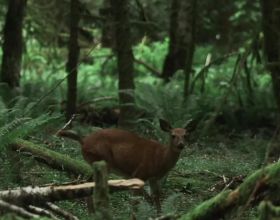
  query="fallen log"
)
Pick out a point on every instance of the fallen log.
point(35, 195)
point(263, 183)
point(53, 159)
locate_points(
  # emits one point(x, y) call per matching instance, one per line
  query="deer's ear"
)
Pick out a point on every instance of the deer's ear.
point(164, 125)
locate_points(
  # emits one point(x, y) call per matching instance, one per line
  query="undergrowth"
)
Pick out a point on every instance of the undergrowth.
point(235, 144)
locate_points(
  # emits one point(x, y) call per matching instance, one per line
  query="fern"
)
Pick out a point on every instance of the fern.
point(163, 101)
point(8, 128)
point(19, 121)
point(21, 127)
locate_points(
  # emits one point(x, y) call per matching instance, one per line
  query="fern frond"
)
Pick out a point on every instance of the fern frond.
point(8, 128)
point(21, 127)
point(163, 101)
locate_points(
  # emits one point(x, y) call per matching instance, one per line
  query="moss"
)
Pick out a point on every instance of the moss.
point(264, 179)
point(207, 209)
point(54, 159)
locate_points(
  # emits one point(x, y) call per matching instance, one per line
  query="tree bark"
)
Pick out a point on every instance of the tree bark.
point(35, 195)
point(13, 43)
point(181, 34)
point(191, 20)
point(107, 38)
point(101, 191)
point(120, 9)
point(73, 59)
point(271, 31)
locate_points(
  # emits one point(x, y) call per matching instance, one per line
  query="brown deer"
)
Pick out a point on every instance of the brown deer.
point(133, 156)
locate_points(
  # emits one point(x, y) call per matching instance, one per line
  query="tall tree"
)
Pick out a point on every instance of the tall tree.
point(13, 43)
point(190, 41)
point(107, 31)
point(73, 59)
point(11, 66)
point(271, 31)
point(123, 47)
point(181, 34)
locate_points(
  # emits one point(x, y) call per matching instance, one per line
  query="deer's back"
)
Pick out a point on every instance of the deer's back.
point(125, 152)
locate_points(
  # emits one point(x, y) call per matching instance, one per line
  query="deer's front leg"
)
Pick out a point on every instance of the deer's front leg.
point(155, 191)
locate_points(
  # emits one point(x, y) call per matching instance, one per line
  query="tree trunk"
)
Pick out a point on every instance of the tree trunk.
point(271, 31)
point(181, 34)
point(13, 43)
point(73, 59)
point(191, 21)
point(11, 66)
point(107, 38)
point(124, 52)
point(101, 191)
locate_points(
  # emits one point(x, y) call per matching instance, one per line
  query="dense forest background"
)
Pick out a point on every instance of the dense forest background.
point(85, 65)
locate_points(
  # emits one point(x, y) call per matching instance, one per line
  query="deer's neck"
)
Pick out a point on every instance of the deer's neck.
point(170, 157)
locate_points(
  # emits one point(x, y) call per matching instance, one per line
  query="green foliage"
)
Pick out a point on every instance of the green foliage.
point(144, 210)
point(170, 204)
point(151, 53)
point(2, 15)
point(245, 105)
point(16, 122)
point(157, 100)
point(250, 104)
point(268, 211)
point(21, 128)
point(18, 119)
point(246, 14)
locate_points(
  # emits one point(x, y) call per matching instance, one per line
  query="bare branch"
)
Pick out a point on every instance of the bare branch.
point(5, 206)
point(61, 212)
point(42, 212)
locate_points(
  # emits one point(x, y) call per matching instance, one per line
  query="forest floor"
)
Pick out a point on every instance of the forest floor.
point(205, 168)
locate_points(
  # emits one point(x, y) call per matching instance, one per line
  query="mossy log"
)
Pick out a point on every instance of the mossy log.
point(54, 159)
point(268, 211)
point(264, 183)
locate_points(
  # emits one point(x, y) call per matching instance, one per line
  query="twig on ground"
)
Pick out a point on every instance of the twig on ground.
point(5, 206)
point(61, 212)
point(42, 212)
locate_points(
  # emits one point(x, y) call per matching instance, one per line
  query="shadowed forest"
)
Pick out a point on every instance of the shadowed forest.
point(140, 109)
